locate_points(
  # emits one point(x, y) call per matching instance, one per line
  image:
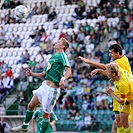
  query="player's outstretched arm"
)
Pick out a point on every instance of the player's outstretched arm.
point(38, 75)
point(94, 64)
point(96, 71)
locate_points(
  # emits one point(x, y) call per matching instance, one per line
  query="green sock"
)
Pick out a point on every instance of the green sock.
point(120, 130)
point(127, 130)
point(27, 118)
point(45, 125)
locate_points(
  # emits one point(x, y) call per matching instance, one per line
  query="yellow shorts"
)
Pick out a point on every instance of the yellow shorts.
point(124, 108)
point(115, 105)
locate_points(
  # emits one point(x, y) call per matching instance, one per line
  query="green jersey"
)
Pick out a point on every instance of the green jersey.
point(56, 66)
point(38, 114)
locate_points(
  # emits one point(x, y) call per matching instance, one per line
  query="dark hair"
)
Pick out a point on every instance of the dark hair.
point(116, 48)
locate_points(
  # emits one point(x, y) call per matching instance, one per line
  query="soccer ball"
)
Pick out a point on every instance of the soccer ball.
point(21, 11)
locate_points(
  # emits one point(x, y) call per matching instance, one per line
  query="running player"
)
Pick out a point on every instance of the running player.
point(38, 115)
point(115, 52)
point(49, 91)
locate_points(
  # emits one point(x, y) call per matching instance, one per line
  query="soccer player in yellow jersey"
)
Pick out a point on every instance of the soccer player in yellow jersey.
point(124, 84)
point(115, 52)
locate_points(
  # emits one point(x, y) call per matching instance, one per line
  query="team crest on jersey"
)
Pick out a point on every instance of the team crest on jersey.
point(117, 87)
point(48, 66)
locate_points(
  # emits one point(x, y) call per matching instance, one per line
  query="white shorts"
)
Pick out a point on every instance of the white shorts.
point(47, 96)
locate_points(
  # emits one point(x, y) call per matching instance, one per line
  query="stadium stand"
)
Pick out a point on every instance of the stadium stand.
point(91, 26)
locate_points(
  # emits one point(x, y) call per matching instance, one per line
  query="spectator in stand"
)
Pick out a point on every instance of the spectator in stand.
point(3, 67)
point(2, 30)
point(98, 52)
point(50, 37)
point(22, 86)
point(73, 110)
point(16, 42)
point(111, 42)
point(81, 4)
point(45, 8)
point(52, 15)
point(73, 36)
point(36, 31)
point(43, 37)
point(43, 45)
point(40, 8)
point(7, 17)
point(79, 121)
point(41, 31)
point(55, 22)
point(4, 126)
point(49, 48)
point(22, 101)
point(32, 64)
point(87, 121)
point(2, 39)
point(74, 44)
point(79, 12)
point(100, 101)
point(33, 11)
point(36, 40)
point(8, 83)
point(9, 72)
point(24, 57)
point(80, 37)
point(68, 24)
point(62, 35)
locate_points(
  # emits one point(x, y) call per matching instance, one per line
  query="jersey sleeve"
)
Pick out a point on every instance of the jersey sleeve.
point(124, 90)
point(53, 116)
point(64, 60)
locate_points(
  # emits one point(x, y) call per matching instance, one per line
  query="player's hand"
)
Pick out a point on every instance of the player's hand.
point(108, 90)
point(84, 59)
point(28, 72)
point(113, 131)
point(62, 82)
point(94, 72)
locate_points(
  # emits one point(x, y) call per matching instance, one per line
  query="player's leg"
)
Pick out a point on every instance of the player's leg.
point(120, 128)
point(130, 118)
point(48, 102)
point(124, 113)
point(29, 113)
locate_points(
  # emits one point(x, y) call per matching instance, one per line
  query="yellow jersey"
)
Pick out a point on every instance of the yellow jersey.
point(123, 63)
point(125, 86)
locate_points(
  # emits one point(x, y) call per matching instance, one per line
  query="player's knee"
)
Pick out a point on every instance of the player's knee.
point(30, 106)
point(45, 115)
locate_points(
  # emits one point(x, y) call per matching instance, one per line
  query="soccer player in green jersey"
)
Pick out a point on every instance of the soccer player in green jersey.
point(38, 115)
point(49, 91)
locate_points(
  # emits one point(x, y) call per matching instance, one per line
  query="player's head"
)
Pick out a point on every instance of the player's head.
point(112, 71)
point(62, 44)
point(115, 51)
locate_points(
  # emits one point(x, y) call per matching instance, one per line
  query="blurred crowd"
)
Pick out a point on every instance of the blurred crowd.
point(82, 91)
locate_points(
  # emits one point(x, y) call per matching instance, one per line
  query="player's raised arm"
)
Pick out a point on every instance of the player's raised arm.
point(38, 75)
point(100, 71)
point(97, 65)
